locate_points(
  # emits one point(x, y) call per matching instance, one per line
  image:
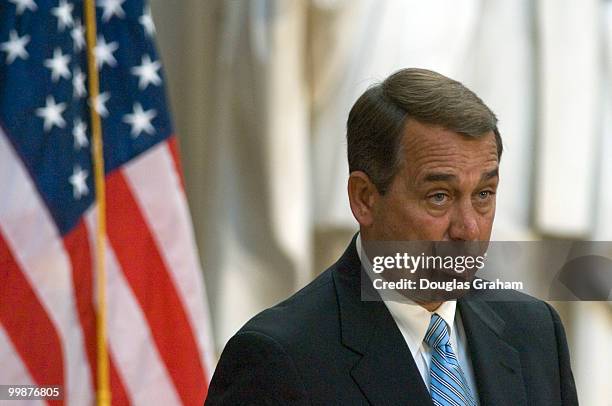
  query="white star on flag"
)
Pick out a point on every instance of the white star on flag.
point(146, 20)
point(52, 114)
point(63, 12)
point(78, 83)
point(78, 36)
point(15, 47)
point(77, 180)
point(104, 53)
point(79, 133)
point(140, 120)
point(58, 65)
point(147, 72)
point(111, 8)
point(22, 5)
point(99, 103)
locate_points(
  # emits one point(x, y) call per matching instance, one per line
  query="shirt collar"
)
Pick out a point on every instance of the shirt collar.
point(411, 318)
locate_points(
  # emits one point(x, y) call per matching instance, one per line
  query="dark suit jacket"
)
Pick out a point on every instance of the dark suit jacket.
point(325, 346)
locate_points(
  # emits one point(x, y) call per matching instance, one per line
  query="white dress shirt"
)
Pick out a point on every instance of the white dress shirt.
point(413, 321)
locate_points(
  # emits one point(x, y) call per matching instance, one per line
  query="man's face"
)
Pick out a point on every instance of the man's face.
point(445, 190)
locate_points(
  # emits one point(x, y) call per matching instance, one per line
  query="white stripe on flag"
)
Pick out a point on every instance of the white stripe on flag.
point(156, 187)
point(137, 359)
point(37, 246)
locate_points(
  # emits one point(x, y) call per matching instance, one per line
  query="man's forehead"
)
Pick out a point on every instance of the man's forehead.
point(451, 176)
point(423, 139)
point(439, 154)
point(458, 176)
point(419, 136)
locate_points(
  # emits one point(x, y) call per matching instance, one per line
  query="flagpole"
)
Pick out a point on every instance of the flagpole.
point(103, 397)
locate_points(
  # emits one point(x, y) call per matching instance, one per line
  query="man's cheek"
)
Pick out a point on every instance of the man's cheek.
point(431, 228)
point(486, 226)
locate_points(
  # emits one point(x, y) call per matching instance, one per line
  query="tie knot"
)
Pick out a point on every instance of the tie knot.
point(437, 333)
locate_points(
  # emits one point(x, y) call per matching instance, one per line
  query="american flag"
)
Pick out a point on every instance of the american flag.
point(158, 328)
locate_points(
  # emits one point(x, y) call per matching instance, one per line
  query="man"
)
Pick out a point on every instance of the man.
point(423, 156)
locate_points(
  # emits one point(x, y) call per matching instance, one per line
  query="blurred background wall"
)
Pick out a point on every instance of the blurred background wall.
point(261, 90)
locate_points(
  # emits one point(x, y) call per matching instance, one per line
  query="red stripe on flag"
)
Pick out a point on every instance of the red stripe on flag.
point(77, 244)
point(148, 277)
point(176, 158)
point(118, 394)
point(27, 324)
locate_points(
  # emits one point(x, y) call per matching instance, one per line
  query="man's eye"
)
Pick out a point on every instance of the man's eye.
point(438, 198)
point(485, 194)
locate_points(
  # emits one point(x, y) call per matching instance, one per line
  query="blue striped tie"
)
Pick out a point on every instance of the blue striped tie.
point(448, 386)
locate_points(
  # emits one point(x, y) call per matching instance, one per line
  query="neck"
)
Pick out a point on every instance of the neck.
point(430, 306)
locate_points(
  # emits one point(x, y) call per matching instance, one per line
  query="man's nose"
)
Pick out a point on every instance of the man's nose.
point(464, 222)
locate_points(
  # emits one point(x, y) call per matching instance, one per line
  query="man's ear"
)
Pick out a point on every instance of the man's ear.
point(363, 194)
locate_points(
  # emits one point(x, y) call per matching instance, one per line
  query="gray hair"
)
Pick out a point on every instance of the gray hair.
point(377, 119)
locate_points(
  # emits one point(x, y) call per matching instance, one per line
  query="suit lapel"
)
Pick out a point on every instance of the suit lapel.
point(496, 364)
point(385, 372)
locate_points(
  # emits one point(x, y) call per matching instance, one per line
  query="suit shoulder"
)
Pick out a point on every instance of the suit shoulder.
point(292, 320)
point(510, 300)
point(521, 313)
